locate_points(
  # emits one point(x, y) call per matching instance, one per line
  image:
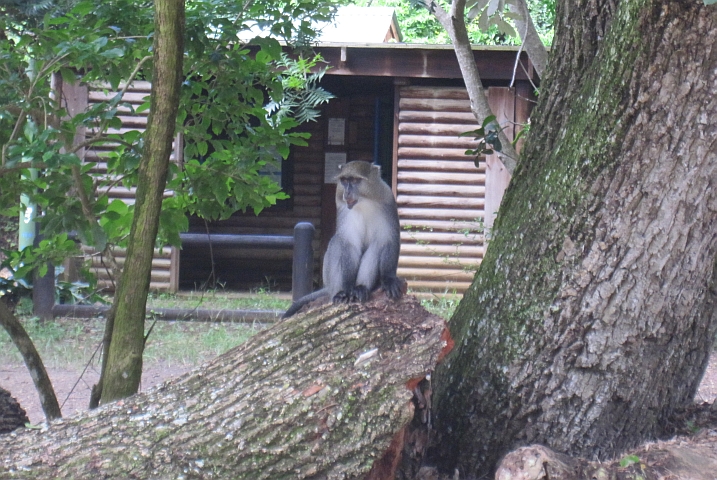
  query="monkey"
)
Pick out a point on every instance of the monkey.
point(363, 253)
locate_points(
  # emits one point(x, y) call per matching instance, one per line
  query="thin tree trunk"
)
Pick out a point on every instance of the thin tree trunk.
point(43, 385)
point(320, 395)
point(123, 370)
point(593, 313)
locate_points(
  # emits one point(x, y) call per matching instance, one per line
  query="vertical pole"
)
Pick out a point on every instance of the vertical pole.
point(302, 273)
point(43, 289)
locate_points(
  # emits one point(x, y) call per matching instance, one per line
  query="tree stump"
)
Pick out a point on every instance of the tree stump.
point(319, 395)
point(12, 415)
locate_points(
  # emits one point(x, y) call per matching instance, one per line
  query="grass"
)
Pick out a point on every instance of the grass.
point(72, 342)
point(260, 300)
point(442, 305)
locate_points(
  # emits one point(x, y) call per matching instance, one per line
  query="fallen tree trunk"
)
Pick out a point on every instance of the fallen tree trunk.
point(317, 395)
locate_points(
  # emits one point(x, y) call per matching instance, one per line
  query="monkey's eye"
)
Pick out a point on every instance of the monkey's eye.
point(353, 181)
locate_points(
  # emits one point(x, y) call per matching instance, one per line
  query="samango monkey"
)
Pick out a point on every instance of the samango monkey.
point(363, 253)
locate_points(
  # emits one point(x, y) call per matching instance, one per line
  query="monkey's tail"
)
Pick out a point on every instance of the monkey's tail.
point(296, 306)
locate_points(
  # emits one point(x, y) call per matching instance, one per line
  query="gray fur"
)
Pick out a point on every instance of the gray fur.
point(363, 253)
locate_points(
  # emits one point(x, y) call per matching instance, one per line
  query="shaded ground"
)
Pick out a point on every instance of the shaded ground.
point(16, 379)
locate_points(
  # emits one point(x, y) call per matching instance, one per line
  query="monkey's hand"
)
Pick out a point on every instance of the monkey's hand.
point(393, 286)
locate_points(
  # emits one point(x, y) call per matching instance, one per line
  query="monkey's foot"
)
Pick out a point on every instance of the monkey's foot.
point(394, 287)
point(357, 294)
point(360, 293)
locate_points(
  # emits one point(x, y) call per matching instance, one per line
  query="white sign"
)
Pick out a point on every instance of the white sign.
point(337, 131)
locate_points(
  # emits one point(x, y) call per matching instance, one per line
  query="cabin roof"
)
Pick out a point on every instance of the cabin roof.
point(361, 24)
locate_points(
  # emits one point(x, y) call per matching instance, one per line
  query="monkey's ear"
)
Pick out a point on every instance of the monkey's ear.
point(376, 169)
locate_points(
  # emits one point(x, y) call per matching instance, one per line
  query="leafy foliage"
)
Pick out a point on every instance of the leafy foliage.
point(418, 25)
point(487, 137)
point(229, 117)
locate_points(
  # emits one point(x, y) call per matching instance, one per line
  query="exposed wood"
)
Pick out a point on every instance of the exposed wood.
point(320, 395)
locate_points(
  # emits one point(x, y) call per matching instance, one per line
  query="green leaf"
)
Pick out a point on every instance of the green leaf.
point(82, 8)
point(628, 460)
point(113, 53)
point(68, 75)
point(30, 130)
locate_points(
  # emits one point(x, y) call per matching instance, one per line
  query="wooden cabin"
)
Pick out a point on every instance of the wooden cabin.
point(401, 106)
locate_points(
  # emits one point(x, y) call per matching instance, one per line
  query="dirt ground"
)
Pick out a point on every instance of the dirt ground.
point(17, 381)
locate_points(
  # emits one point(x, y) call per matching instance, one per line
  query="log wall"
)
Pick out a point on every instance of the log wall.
point(440, 191)
point(78, 98)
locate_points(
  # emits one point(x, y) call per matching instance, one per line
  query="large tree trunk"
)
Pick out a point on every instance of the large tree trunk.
point(122, 370)
point(593, 312)
point(320, 395)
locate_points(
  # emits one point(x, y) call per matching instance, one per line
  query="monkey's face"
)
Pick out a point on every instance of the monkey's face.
point(351, 190)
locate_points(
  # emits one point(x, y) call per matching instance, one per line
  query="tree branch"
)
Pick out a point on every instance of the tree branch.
point(529, 35)
point(456, 28)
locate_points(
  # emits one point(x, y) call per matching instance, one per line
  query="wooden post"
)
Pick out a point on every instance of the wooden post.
point(303, 267)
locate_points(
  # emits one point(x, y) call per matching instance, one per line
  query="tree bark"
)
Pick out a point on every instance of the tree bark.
point(123, 370)
point(592, 315)
point(319, 395)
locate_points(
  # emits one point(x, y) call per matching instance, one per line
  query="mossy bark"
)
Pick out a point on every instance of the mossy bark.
point(123, 370)
point(592, 315)
point(318, 395)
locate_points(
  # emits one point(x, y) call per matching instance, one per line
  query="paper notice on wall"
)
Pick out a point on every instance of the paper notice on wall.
point(337, 131)
point(332, 160)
